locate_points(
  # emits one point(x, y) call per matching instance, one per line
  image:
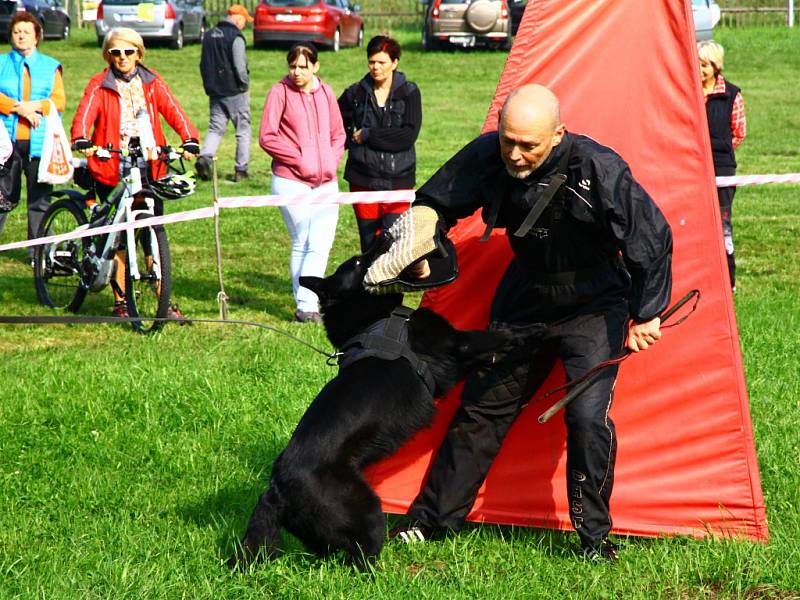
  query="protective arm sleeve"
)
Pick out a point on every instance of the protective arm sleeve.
point(413, 236)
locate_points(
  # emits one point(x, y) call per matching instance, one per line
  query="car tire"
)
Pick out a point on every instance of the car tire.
point(202, 33)
point(428, 43)
point(176, 43)
point(100, 42)
point(336, 43)
point(360, 38)
point(65, 31)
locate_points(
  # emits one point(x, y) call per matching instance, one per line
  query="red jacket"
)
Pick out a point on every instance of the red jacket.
point(98, 116)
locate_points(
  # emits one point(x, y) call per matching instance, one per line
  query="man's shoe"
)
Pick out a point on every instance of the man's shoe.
point(603, 550)
point(414, 532)
point(239, 176)
point(174, 313)
point(203, 168)
point(120, 309)
point(302, 316)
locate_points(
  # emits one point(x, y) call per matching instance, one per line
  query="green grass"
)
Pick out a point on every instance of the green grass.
point(129, 464)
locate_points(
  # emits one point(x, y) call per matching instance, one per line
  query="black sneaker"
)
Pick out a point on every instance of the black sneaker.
point(239, 176)
point(603, 550)
point(414, 532)
point(203, 168)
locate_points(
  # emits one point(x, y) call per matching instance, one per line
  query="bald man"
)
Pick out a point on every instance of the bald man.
point(592, 262)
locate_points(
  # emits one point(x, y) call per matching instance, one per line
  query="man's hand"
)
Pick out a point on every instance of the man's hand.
point(357, 136)
point(414, 236)
point(642, 335)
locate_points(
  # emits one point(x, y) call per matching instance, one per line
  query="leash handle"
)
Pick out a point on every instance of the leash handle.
point(580, 385)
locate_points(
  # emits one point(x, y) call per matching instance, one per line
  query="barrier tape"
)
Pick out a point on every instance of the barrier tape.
point(331, 198)
point(739, 180)
point(232, 202)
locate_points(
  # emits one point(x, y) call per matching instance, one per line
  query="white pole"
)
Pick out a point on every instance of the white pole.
point(790, 19)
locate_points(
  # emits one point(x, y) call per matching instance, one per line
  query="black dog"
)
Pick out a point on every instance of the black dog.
point(391, 370)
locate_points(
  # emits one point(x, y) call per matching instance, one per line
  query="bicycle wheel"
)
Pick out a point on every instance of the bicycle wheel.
point(58, 268)
point(149, 294)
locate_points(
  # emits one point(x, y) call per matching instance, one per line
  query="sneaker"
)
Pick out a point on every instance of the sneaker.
point(202, 167)
point(604, 550)
point(239, 176)
point(174, 313)
point(120, 309)
point(413, 532)
point(301, 316)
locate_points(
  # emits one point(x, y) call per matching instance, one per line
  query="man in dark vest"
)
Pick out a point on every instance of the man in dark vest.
point(223, 66)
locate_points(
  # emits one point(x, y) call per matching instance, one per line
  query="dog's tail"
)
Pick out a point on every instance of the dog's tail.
point(262, 539)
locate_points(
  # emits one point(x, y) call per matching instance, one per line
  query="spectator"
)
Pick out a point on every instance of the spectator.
point(383, 115)
point(727, 127)
point(301, 129)
point(106, 115)
point(226, 79)
point(29, 80)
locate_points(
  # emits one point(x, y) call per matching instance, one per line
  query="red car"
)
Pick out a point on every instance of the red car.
point(332, 23)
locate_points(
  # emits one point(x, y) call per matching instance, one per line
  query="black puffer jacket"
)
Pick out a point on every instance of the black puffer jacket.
point(601, 212)
point(386, 159)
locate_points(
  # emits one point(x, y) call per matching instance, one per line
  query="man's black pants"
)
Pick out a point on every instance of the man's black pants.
point(493, 398)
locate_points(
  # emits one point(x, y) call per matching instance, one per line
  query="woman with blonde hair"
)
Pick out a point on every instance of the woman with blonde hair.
point(727, 127)
point(107, 115)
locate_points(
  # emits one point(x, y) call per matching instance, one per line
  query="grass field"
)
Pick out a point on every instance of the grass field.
point(129, 464)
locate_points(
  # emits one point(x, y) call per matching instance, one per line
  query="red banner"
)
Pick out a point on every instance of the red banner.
point(627, 75)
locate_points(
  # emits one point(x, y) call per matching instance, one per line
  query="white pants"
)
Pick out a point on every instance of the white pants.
point(312, 228)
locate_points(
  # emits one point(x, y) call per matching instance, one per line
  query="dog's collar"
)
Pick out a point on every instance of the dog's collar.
point(387, 339)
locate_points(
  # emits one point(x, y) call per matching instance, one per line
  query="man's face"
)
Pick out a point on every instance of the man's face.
point(525, 145)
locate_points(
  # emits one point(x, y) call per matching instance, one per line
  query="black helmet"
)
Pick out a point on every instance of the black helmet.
point(173, 186)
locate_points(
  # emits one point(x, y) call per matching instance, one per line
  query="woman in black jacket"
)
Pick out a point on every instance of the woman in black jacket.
point(382, 114)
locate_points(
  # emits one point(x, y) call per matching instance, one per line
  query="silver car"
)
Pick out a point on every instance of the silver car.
point(174, 21)
point(706, 15)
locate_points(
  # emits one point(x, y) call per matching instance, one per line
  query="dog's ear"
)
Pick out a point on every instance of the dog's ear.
point(315, 284)
point(380, 245)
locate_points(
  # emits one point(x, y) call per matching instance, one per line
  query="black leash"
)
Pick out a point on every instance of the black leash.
point(86, 320)
point(579, 385)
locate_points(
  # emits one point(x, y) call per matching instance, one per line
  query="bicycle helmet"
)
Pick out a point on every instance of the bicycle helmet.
point(173, 186)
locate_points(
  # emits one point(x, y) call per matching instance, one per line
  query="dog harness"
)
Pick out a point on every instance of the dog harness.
point(387, 339)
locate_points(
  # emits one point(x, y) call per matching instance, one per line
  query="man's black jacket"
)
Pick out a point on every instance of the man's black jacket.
point(600, 214)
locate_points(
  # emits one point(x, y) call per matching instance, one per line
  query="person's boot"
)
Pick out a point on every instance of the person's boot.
point(203, 168)
point(239, 176)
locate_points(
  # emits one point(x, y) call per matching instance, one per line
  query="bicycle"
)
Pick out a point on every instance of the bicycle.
point(65, 272)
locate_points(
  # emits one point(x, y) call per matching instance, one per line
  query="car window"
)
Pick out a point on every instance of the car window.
point(700, 3)
point(295, 3)
point(454, 2)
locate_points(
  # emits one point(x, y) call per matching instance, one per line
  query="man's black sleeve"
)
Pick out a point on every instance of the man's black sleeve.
point(642, 233)
point(456, 189)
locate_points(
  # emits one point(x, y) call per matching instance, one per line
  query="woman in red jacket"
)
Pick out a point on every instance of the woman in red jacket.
point(106, 116)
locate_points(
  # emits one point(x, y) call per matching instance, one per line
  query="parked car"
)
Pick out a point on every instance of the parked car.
point(174, 21)
point(465, 23)
point(706, 15)
point(331, 23)
point(51, 14)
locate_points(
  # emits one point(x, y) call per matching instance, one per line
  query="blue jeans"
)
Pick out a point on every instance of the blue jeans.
point(312, 228)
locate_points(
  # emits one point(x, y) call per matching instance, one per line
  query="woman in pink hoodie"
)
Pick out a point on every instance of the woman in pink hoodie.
point(302, 130)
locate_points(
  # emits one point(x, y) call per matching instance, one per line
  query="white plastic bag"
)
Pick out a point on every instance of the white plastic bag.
point(55, 164)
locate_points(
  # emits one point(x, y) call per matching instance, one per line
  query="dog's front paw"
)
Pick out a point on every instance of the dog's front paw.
point(246, 554)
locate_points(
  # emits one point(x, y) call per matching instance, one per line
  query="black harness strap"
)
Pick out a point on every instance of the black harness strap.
point(555, 182)
point(387, 339)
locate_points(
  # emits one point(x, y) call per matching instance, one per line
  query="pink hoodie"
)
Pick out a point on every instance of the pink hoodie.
point(303, 133)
